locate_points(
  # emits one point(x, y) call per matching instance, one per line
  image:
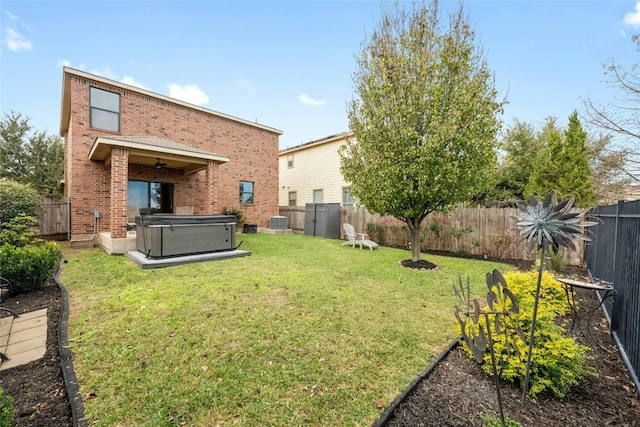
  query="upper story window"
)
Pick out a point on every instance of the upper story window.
point(246, 192)
point(105, 109)
point(347, 200)
point(290, 160)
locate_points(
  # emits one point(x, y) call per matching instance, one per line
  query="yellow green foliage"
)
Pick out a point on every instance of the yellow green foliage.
point(557, 361)
point(553, 299)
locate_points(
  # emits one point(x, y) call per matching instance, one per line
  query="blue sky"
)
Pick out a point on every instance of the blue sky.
point(289, 64)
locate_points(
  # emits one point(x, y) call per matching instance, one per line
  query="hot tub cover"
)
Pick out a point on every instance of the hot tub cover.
point(165, 219)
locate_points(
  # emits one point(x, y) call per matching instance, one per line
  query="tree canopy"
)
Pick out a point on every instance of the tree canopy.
point(621, 117)
point(563, 167)
point(29, 157)
point(424, 116)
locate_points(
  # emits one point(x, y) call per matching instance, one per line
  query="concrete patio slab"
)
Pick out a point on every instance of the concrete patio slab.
point(23, 339)
point(144, 262)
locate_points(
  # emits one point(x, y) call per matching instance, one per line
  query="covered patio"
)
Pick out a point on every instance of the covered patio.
point(148, 158)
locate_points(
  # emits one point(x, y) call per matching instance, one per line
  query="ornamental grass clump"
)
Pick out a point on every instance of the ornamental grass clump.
point(548, 225)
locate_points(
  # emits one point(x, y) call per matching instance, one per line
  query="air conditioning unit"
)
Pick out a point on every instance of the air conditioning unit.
point(278, 222)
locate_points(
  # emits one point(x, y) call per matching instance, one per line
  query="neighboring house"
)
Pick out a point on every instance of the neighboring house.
point(310, 173)
point(128, 146)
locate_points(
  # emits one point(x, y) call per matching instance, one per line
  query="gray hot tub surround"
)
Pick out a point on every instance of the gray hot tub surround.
point(160, 236)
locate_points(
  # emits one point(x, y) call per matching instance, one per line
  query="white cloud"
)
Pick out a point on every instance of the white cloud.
point(188, 93)
point(633, 18)
point(246, 86)
point(306, 100)
point(132, 82)
point(105, 72)
point(15, 42)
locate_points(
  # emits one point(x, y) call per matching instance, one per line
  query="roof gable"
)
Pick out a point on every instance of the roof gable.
point(65, 113)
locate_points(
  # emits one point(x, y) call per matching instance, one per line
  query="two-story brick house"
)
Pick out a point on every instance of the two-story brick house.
point(126, 146)
point(310, 173)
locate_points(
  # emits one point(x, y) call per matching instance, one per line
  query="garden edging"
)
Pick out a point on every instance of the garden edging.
point(68, 373)
point(384, 417)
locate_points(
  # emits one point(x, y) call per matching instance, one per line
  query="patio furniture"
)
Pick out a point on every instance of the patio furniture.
point(596, 285)
point(354, 238)
point(132, 213)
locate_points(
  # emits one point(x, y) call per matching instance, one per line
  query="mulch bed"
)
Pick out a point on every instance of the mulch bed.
point(457, 390)
point(37, 388)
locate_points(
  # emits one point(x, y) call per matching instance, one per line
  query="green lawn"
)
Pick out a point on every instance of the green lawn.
point(304, 331)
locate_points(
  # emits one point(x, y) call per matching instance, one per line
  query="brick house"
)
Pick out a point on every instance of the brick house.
point(310, 173)
point(126, 146)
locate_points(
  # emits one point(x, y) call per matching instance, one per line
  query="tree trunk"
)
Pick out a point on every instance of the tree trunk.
point(416, 241)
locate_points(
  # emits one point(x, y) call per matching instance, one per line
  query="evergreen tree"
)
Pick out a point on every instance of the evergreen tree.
point(563, 166)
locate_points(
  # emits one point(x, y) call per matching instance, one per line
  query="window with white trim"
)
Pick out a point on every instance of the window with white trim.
point(347, 200)
point(246, 192)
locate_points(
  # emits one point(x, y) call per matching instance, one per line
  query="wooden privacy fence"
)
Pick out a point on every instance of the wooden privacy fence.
point(482, 232)
point(614, 256)
point(55, 218)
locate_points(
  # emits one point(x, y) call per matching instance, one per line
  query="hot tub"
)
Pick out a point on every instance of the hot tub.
point(159, 236)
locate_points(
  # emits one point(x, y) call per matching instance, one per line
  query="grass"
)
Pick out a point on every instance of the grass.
point(304, 331)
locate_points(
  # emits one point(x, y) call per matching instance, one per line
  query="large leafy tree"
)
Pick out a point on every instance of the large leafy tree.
point(424, 116)
point(563, 166)
point(29, 157)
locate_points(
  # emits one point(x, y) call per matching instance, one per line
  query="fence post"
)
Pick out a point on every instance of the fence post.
point(617, 279)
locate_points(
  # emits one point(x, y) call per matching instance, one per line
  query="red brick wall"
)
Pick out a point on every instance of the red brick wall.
point(252, 153)
point(118, 199)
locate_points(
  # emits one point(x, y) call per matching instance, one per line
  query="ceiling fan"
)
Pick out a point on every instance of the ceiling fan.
point(160, 165)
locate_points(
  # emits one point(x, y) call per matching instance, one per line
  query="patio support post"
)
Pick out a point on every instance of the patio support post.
point(211, 201)
point(119, 178)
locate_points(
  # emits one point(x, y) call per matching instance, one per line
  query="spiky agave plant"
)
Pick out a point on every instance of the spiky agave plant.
point(548, 225)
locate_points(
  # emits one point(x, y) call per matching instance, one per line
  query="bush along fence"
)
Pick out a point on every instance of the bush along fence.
point(481, 232)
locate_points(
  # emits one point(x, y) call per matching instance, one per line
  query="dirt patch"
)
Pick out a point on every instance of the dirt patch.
point(457, 390)
point(37, 388)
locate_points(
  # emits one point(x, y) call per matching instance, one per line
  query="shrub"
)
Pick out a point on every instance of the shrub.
point(233, 211)
point(491, 421)
point(19, 231)
point(552, 293)
point(556, 261)
point(6, 410)
point(557, 362)
point(28, 267)
point(17, 199)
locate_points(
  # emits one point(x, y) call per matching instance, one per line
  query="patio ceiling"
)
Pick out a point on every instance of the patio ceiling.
point(144, 150)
